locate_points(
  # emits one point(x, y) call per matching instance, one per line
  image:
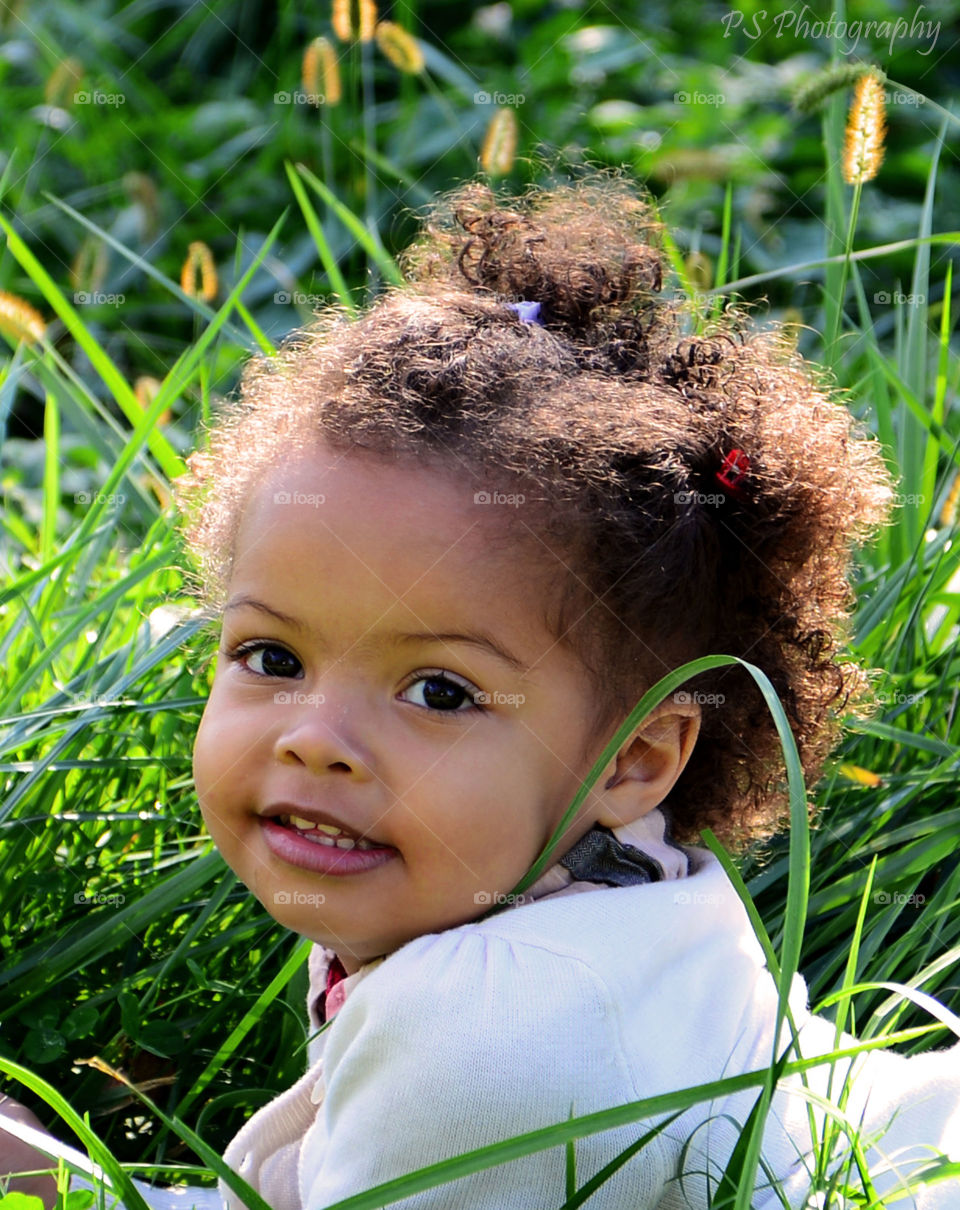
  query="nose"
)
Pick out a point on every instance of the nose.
point(313, 732)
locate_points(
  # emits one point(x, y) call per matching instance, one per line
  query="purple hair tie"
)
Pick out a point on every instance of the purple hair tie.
point(528, 312)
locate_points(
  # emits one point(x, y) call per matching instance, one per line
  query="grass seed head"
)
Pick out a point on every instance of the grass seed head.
point(948, 513)
point(145, 389)
point(863, 777)
point(321, 71)
point(142, 192)
point(400, 47)
point(89, 267)
point(814, 90)
point(699, 269)
point(354, 20)
point(19, 320)
point(500, 143)
point(199, 261)
point(63, 83)
point(866, 128)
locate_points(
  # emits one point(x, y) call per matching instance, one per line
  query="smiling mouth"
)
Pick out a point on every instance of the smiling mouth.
point(324, 834)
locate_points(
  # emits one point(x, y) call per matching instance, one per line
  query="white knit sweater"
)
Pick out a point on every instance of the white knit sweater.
point(574, 1003)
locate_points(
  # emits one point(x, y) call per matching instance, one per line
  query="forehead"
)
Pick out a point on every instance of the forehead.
point(360, 523)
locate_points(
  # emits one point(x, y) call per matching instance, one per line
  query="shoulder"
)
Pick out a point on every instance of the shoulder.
point(565, 1006)
point(466, 1038)
point(510, 1008)
point(471, 986)
point(656, 939)
point(642, 973)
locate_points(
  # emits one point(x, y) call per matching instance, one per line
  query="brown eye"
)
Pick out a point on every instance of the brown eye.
point(441, 694)
point(272, 660)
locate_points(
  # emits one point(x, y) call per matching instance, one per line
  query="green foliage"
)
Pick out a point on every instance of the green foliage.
point(20, 1201)
point(123, 935)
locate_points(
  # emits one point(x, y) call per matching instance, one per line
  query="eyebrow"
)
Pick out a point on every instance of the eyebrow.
point(474, 638)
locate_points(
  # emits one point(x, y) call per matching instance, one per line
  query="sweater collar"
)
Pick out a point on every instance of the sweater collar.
point(637, 852)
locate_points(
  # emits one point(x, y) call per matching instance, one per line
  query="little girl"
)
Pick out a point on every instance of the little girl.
point(452, 543)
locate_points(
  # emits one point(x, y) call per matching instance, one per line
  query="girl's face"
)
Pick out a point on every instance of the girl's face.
point(384, 672)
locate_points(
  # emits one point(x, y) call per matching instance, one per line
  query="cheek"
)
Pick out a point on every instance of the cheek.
point(203, 752)
point(215, 753)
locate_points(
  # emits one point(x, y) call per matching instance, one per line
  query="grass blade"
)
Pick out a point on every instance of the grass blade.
point(116, 384)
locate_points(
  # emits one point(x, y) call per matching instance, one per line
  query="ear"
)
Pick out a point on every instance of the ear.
point(648, 764)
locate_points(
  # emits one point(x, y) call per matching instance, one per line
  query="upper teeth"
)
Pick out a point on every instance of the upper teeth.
point(331, 836)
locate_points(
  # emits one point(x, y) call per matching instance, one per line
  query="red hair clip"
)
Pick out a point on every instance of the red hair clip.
point(731, 474)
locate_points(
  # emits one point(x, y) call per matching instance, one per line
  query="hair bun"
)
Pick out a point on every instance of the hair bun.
point(583, 251)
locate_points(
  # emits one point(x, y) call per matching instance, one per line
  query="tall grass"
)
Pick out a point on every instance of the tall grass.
point(124, 936)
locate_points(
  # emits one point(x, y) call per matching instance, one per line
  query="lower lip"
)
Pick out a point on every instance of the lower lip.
point(296, 850)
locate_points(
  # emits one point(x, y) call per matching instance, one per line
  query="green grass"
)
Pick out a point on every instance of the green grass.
point(123, 935)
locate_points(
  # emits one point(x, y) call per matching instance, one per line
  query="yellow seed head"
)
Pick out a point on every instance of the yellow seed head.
point(12, 15)
point(142, 192)
point(145, 389)
point(948, 514)
point(863, 777)
point(321, 71)
point(354, 19)
point(696, 163)
point(791, 324)
point(63, 82)
point(699, 269)
point(89, 267)
point(367, 22)
point(99, 1065)
point(500, 143)
point(19, 320)
point(199, 260)
point(164, 498)
point(400, 47)
point(866, 128)
point(340, 19)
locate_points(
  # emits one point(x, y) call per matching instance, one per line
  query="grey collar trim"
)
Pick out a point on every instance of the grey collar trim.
point(600, 857)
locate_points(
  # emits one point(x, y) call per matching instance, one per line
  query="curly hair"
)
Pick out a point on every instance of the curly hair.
point(615, 416)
